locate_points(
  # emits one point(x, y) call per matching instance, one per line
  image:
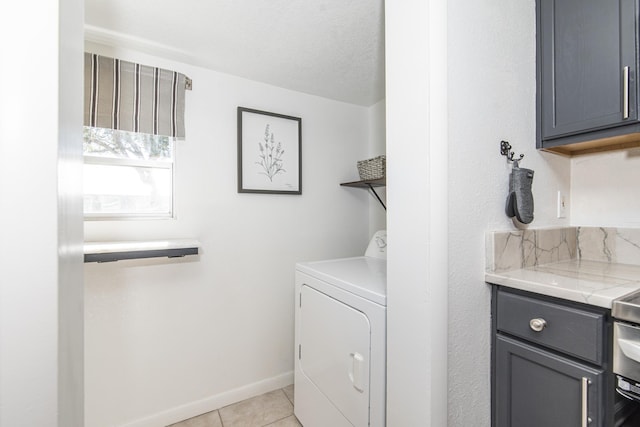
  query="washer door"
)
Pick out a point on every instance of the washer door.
point(335, 353)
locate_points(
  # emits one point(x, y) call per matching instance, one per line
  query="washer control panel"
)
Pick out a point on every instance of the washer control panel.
point(378, 245)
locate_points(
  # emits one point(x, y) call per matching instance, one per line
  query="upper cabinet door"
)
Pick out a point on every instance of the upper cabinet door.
point(587, 66)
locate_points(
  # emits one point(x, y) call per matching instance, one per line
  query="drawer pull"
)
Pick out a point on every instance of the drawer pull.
point(586, 420)
point(537, 324)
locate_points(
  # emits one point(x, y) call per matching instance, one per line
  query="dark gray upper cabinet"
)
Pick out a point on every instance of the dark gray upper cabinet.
point(587, 62)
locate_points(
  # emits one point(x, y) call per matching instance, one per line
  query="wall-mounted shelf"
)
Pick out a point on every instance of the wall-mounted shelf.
point(369, 184)
point(116, 251)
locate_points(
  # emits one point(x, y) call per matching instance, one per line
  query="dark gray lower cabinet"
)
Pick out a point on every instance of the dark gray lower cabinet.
point(536, 388)
point(551, 363)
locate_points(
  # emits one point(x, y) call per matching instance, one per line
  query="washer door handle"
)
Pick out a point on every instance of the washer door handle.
point(356, 371)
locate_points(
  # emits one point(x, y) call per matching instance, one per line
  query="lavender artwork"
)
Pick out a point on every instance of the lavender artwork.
point(270, 156)
point(269, 152)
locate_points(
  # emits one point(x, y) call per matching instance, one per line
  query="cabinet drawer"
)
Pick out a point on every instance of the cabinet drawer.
point(572, 331)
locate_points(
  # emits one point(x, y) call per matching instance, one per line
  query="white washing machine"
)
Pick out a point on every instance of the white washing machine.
point(340, 339)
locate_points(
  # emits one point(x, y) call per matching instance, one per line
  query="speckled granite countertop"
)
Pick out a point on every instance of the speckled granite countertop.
point(584, 264)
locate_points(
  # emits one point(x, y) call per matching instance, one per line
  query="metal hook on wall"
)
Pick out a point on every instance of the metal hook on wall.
point(505, 150)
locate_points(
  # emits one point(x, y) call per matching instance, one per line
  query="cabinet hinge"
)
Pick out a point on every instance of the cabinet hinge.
point(300, 299)
point(299, 351)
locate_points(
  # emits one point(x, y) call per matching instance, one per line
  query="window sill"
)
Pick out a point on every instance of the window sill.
point(116, 251)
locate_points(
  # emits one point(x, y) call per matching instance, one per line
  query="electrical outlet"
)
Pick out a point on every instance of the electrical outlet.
point(562, 205)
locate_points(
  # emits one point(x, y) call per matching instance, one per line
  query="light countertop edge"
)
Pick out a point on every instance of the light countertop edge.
point(589, 282)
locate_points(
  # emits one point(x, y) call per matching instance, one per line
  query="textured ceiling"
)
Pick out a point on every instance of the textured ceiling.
point(329, 48)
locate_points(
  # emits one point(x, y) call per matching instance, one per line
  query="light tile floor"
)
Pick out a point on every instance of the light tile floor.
point(273, 409)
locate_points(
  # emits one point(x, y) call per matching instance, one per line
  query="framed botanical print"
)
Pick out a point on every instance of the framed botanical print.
point(269, 152)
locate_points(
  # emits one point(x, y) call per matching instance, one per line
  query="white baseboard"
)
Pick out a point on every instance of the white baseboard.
point(212, 403)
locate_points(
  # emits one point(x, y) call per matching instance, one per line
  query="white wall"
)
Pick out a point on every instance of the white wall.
point(491, 97)
point(70, 229)
point(489, 52)
point(417, 217)
point(41, 246)
point(377, 146)
point(604, 189)
point(168, 339)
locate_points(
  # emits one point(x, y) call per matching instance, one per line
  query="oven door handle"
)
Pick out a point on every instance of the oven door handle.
point(630, 348)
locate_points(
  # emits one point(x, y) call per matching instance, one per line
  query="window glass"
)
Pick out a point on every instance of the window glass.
point(127, 175)
point(118, 144)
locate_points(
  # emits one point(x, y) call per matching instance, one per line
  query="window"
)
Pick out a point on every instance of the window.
point(133, 114)
point(127, 174)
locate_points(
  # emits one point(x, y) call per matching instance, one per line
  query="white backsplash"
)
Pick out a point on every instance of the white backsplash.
point(615, 245)
point(512, 250)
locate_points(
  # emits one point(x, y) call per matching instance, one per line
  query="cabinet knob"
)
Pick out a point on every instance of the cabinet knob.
point(537, 324)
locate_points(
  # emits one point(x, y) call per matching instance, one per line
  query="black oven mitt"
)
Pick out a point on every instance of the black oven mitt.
point(520, 199)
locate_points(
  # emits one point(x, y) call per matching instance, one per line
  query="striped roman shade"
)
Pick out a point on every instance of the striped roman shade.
point(132, 97)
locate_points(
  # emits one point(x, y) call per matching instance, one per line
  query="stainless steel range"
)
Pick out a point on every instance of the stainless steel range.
point(626, 345)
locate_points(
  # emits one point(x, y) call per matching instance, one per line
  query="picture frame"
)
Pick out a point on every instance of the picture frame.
point(269, 152)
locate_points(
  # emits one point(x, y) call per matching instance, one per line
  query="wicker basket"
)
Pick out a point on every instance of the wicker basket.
point(375, 168)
